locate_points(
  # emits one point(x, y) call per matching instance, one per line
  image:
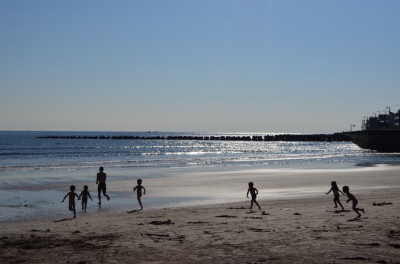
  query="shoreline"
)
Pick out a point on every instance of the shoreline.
point(195, 187)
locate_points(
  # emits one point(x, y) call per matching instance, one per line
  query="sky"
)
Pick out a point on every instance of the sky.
point(197, 66)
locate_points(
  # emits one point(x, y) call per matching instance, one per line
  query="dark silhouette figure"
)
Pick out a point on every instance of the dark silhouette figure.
point(138, 190)
point(84, 194)
point(351, 197)
point(253, 191)
point(101, 181)
point(71, 202)
point(335, 189)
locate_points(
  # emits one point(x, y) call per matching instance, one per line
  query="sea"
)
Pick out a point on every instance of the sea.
point(29, 162)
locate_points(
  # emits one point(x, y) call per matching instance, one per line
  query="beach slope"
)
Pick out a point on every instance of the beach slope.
point(304, 230)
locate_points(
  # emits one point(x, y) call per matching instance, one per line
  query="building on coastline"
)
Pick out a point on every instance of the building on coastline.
point(396, 118)
point(389, 120)
point(380, 132)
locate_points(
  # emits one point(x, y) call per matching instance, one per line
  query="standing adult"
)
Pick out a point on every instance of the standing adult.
point(101, 181)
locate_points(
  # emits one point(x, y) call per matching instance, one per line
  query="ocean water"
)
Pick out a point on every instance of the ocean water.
point(24, 151)
point(29, 163)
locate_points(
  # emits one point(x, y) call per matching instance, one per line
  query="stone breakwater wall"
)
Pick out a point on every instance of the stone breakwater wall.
point(338, 137)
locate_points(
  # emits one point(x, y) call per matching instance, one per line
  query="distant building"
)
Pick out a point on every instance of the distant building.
point(371, 123)
point(382, 121)
point(396, 117)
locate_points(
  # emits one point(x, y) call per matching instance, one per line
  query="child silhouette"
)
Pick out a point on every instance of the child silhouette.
point(335, 189)
point(253, 191)
point(71, 202)
point(139, 189)
point(351, 197)
point(84, 194)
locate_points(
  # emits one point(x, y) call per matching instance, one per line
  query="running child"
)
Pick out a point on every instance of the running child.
point(139, 189)
point(253, 191)
point(84, 194)
point(335, 189)
point(71, 202)
point(351, 197)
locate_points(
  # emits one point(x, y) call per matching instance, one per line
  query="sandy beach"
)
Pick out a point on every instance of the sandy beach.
point(303, 228)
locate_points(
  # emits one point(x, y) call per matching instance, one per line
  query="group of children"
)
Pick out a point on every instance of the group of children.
point(252, 190)
point(346, 190)
point(335, 189)
point(71, 201)
point(85, 194)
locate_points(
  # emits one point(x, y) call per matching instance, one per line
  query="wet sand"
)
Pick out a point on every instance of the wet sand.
point(183, 187)
point(299, 227)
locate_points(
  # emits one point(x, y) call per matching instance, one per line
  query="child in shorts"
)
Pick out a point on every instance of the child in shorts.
point(71, 201)
point(84, 194)
point(253, 191)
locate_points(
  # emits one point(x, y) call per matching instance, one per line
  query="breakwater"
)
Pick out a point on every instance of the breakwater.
point(338, 137)
point(383, 140)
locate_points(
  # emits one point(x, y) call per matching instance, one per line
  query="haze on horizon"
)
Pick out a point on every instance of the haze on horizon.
point(197, 66)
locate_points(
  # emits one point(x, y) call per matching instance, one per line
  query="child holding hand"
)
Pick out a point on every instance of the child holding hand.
point(71, 201)
point(84, 194)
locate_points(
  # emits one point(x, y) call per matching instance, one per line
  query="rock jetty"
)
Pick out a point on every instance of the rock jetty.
point(338, 137)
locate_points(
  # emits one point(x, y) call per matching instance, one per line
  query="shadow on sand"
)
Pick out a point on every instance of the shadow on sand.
point(338, 211)
point(62, 220)
point(354, 219)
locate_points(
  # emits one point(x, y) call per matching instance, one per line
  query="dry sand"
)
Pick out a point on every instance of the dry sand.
point(293, 230)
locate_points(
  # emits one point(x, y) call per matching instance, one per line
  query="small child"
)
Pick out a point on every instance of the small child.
point(139, 189)
point(351, 197)
point(335, 189)
point(253, 191)
point(84, 194)
point(71, 204)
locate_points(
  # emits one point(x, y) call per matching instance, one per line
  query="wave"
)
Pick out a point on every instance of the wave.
point(172, 162)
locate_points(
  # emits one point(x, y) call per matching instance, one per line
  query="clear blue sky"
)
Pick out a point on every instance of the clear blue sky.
point(215, 66)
